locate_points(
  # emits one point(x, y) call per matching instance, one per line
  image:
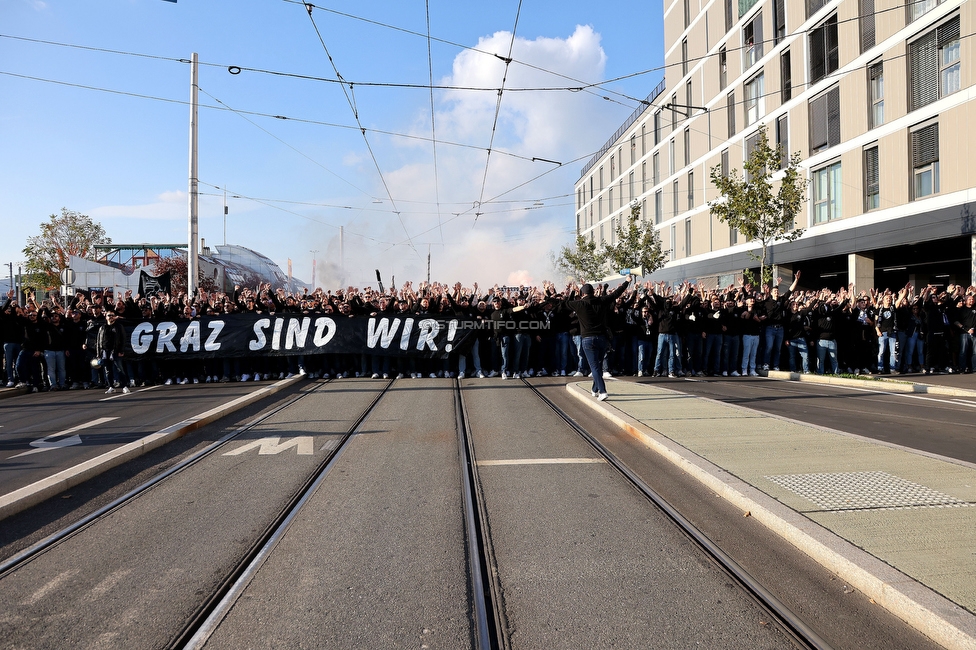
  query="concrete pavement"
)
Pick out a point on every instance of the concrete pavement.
point(896, 524)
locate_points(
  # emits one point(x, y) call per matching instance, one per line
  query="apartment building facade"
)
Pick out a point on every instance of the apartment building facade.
point(875, 95)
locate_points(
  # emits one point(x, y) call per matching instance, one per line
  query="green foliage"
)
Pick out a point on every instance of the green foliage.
point(64, 235)
point(754, 207)
point(637, 244)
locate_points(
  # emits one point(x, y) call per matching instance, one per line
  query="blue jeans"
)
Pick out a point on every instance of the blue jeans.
point(774, 343)
point(562, 351)
point(907, 345)
point(645, 352)
point(826, 349)
point(799, 347)
point(668, 349)
point(595, 349)
point(967, 352)
point(509, 349)
point(887, 340)
point(750, 346)
point(712, 361)
point(582, 365)
point(10, 352)
point(55, 361)
point(730, 352)
point(523, 343)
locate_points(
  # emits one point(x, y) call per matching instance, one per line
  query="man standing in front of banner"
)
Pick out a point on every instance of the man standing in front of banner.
point(593, 313)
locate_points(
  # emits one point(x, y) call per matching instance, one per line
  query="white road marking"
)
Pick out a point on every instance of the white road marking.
point(330, 445)
point(541, 461)
point(270, 446)
point(49, 587)
point(48, 442)
point(108, 584)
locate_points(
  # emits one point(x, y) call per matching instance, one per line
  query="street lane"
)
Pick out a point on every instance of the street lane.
point(942, 425)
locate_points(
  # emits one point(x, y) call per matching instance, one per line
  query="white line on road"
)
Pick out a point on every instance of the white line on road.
point(541, 461)
point(49, 442)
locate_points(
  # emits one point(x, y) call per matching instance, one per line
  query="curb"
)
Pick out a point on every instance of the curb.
point(890, 385)
point(921, 607)
point(30, 495)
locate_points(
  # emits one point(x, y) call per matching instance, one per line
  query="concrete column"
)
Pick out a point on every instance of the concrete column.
point(860, 271)
point(972, 260)
point(782, 276)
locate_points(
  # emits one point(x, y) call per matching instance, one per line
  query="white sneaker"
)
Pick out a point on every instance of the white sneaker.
point(244, 377)
point(602, 397)
point(606, 374)
point(640, 373)
point(132, 382)
point(505, 375)
point(516, 375)
point(460, 375)
point(753, 374)
point(10, 384)
point(289, 375)
point(196, 381)
point(562, 373)
point(125, 389)
point(577, 374)
point(433, 375)
point(593, 393)
point(386, 375)
point(110, 390)
point(301, 370)
point(481, 375)
point(725, 373)
point(375, 375)
point(493, 373)
point(399, 375)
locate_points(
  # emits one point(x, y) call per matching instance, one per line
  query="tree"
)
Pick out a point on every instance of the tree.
point(67, 234)
point(638, 244)
point(750, 205)
point(176, 265)
point(583, 262)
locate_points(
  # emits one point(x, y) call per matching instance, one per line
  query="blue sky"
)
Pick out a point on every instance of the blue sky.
point(110, 138)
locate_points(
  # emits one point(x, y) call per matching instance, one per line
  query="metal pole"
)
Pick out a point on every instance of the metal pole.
point(225, 217)
point(192, 263)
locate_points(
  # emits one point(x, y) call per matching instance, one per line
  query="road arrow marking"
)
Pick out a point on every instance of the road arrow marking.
point(270, 446)
point(48, 443)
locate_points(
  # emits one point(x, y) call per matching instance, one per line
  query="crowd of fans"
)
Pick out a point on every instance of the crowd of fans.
point(655, 329)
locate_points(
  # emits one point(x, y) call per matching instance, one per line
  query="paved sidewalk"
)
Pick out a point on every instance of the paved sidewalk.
point(896, 524)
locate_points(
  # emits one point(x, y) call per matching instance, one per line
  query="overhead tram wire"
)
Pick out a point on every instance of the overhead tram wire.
point(433, 132)
point(585, 87)
point(269, 203)
point(293, 148)
point(350, 97)
point(498, 108)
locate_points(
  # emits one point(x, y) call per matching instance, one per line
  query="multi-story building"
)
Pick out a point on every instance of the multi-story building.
point(877, 97)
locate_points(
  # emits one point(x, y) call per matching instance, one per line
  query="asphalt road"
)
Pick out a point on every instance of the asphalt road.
point(378, 559)
point(942, 425)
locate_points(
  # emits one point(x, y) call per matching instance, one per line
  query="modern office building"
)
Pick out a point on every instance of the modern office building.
point(877, 97)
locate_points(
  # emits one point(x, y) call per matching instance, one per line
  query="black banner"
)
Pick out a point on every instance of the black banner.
point(239, 335)
point(150, 285)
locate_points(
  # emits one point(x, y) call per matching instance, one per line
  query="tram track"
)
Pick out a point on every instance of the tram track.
point(792, 624)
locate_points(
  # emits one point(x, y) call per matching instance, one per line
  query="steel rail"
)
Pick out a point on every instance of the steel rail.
point(209, 615)
point(485, 590)
point(20, 559)
point(788, 620)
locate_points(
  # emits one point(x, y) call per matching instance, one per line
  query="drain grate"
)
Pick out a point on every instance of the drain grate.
point(864, 491)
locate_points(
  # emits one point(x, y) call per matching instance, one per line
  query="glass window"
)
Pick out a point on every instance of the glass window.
point(925, 161)
point(918, 8)
point(691, 190)
point(866, 24)
point(729, 19)
point(755, 102)
point(823, 49)
point(872, 195)
point(658, 206)
point(643, 177)
point(674, 245)
point(601, 177)
point(826, 193)
point(630, 183)
point(656, 168)
point(745, 5)
point(825, 120)
point(672, 168)
point(934, 66)
point(779, 21)
point(783, 140)
point(674, 198)
point(684, 57)
point(876, 95)
point(687, 139)
point(730, 109)
point(599, 208)
point(725, 163)
point(723, 68)
point(752, 42)
point(610, 200)
point(687, 13)
point(633, 149)
point(786, 76)
point(687, 237)
point(657, 127)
